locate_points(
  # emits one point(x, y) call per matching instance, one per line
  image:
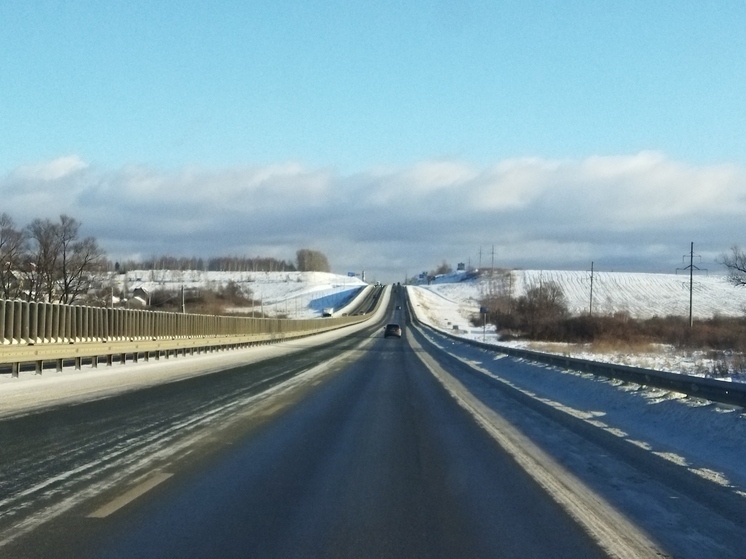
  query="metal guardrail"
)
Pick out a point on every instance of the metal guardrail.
point(707, 388)
point(37, 332)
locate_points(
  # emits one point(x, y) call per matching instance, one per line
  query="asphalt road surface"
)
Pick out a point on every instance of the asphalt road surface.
point(352, 450)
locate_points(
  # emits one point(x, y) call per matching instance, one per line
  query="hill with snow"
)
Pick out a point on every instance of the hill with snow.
point(293, 294)
point(639, 294)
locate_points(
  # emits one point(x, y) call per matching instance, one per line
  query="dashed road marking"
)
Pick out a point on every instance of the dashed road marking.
point(129, 496)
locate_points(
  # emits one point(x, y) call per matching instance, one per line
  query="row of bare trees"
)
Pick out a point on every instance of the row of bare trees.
point(215, 264)
point(47, 260)
point(307, 260)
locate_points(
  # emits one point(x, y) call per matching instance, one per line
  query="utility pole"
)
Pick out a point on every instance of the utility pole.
point(691, 267)
point(591, 305)
point(691, 284)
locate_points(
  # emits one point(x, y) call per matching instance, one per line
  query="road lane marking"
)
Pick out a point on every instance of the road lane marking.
point(273, 409)
point(129, 496)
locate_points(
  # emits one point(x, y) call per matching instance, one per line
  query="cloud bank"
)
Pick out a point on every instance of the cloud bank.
point(623, 212)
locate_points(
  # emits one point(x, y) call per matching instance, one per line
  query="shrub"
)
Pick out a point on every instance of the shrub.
point(541, 315)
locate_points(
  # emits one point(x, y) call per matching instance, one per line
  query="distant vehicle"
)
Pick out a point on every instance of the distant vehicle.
point(398, 307)
point(392, 331)
point(328, 312)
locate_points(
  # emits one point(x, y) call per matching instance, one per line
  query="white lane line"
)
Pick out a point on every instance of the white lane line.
point(129, 496)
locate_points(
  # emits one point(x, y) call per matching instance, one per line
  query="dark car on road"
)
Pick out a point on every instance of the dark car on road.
point(392, 331)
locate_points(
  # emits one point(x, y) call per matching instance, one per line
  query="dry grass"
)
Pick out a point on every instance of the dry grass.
point(612, 345)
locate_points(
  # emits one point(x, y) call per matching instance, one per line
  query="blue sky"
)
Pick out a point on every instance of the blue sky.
point(368, 92)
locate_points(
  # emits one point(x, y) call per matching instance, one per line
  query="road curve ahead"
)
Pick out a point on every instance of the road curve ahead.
point(369, 456)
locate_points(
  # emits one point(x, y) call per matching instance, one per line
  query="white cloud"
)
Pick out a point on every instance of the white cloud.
point(52, 170)
point(538, 212)
point(432, 176)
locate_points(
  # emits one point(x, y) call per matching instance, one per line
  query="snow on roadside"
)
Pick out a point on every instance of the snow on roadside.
point(707, 438)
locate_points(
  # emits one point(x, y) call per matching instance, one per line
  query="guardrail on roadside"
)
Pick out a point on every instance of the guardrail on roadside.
point(38, 332)
point(700, 387)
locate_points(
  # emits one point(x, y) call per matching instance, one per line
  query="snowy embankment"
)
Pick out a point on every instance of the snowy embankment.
point(449, 305)
point(292, 294)
point(699, 437)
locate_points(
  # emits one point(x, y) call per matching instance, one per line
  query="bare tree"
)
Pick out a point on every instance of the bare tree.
point(40, 265)
point(79, 259)
point(542, 306)
point(13, 246)
point(736, 264)
point(60, 264)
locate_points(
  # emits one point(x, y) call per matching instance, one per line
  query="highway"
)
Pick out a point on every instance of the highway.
point(364, 447)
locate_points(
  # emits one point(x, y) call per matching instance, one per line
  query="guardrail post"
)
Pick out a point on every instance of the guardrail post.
point(67, 320)
point(32, 323)
point(79, 334)
point(40, 329)
point(72, 319)
point(85, 324)
point(114, 327)
point(48, 317)
point(25, 318)
point(2, 322)
point(57, 323)
point(127, 326)
point(11, 333)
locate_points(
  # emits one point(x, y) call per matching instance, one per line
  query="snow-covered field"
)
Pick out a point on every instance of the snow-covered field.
point(448, 304)
point(641, 295)
point(294, 294)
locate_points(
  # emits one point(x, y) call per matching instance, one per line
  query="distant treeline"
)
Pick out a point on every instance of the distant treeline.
point(306, 261)
point(217, 264)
